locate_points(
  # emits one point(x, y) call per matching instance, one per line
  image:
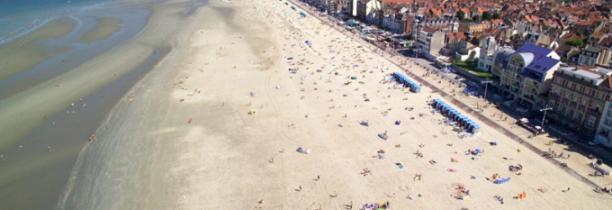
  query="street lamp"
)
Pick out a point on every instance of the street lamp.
point(486, 82)
point(544, 116)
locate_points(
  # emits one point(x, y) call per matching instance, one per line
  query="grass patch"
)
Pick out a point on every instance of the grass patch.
point(470, 67)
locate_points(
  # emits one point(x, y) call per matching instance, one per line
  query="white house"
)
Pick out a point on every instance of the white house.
point(488, 46)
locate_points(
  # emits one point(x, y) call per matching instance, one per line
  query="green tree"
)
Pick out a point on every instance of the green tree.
point(496, 15)
point(476, 18)
point(575, 42)
point(460, 14)
point(486, 16)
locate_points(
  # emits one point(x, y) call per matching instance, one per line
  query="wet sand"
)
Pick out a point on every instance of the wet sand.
point(45, 125)
point(66, 52)
point(104, 28)
point(25, 52)
point(54, 146)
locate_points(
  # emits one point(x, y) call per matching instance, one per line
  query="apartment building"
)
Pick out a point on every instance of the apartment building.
point(603, 135)
point(579, 97)
point(527, 75)
point(594, 56)
point(488, 46)
point(429, 42)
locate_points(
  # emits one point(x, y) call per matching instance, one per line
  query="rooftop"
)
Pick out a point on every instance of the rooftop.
point(503, 55)
point(536, 61)
point(592, 49)
point(537, 51)
point(429, 30)
point(595, 77)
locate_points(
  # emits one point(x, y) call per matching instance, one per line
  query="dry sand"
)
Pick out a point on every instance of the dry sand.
point(217, 125)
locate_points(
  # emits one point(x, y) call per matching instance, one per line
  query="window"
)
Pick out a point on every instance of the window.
point(590, 123)
point(562, 110)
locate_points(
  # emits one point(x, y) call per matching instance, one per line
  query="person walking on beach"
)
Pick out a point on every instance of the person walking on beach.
point(417, 176)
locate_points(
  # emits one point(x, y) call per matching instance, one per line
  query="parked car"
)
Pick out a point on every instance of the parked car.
point(535, 129)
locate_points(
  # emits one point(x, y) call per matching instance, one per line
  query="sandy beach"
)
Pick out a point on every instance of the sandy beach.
point(217, 125)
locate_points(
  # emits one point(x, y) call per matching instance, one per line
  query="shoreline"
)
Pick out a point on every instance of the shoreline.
point(34, 16)
point(87, 162)
point(47, 139)
point(62, 54)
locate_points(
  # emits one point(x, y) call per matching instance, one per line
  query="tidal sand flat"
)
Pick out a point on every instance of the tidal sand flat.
point(67, 52)
point(25, 52)
point(46, 123)
point(104, 28)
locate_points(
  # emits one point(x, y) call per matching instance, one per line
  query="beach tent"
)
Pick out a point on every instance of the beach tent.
point(501, 180)
point(303, 14)
point(308, 43)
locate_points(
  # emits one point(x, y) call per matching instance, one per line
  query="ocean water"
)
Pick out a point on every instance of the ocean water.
point(67, 52)
point(18, 17)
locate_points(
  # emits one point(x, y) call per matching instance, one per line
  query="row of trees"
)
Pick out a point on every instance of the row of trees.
point(485, 16)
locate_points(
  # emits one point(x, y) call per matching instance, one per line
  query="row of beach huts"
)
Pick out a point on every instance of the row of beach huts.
point(446, 109)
